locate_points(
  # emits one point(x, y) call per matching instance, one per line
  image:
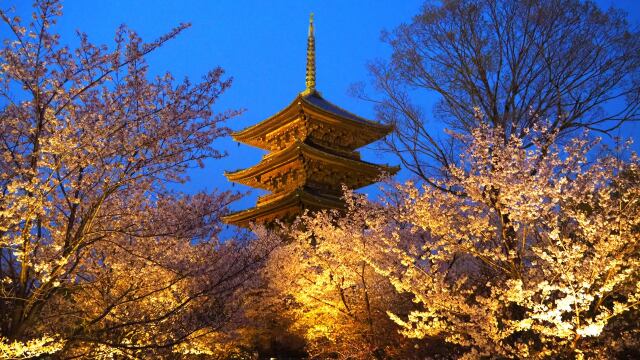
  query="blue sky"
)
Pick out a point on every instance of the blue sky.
point(262, 45)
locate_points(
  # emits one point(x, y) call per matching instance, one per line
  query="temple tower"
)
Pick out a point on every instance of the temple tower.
point(312, 152)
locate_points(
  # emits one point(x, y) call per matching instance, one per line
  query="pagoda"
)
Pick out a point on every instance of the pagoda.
point(312, 153)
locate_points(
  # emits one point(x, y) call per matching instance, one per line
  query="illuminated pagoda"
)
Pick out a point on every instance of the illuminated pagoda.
point(312, 152)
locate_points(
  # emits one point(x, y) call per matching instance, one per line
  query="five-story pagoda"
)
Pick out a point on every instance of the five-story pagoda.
point(312, 145)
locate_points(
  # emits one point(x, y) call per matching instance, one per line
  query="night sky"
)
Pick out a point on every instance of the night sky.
point(262, 45)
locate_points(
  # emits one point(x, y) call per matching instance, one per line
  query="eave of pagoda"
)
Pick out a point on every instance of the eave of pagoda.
point(302, 114)
point(281, 207)
point(354, 173)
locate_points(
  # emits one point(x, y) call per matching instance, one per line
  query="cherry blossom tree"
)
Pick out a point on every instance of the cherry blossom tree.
point(98, 256)
point(332, 297)
point(525, 255)
point(521, 246)
point(324, 288)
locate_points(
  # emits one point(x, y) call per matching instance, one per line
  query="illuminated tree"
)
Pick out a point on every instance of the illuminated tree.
point(522, 257)
point(97, 255)
point(329, 294)
point(517, 247)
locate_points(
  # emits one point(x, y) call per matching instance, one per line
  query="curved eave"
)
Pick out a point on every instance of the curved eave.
point(246, 176)
point(332, 109)
point(281, 118)
point(311, 102)
point(296, 198)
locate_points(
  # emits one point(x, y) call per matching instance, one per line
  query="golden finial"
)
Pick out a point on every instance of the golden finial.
point(311, 60)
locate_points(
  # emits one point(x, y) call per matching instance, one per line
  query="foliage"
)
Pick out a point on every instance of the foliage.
point(330, 296)
point(537, 256)
point(95, 249)
point(30, 349)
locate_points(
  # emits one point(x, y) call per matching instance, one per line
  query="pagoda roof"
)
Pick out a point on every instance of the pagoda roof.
point(293, 201)
point(274, 160)
point(313, 102)
point(316, 100)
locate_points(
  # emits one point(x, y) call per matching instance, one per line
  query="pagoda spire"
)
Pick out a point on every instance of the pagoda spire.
point(310, 79)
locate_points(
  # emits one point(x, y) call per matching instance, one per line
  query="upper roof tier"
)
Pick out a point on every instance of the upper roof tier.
point(311, 116)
